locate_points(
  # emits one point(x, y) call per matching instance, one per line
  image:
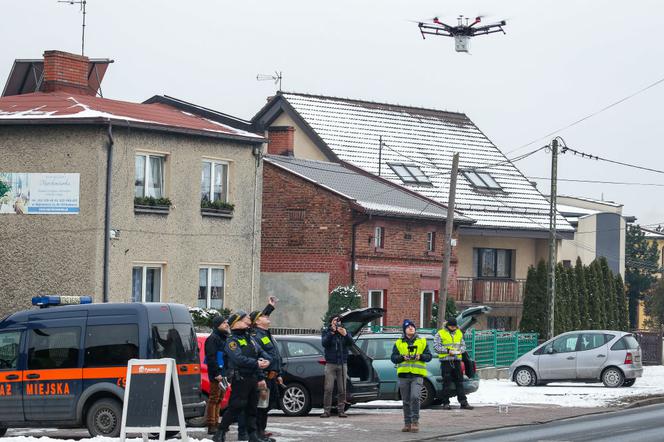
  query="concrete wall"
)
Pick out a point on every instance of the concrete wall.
point(302, 298)
point(303, 147)
point(64, 253)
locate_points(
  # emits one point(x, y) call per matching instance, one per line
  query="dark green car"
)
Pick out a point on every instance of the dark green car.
point(378, 346)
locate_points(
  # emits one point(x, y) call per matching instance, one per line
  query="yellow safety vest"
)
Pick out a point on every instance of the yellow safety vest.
point(450, 342)
point(414, 367)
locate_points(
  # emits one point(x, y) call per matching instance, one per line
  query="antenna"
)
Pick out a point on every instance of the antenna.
point(266, 77)
point(82, 3)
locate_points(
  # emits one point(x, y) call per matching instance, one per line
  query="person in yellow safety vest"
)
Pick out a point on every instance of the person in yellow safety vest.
point(449, 345)
point(410, 354)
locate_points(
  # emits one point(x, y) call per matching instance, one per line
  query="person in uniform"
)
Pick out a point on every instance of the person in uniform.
point(273, 373)
point(410, 354)
point(246, 361)
point(450, 346)
point(214, 359)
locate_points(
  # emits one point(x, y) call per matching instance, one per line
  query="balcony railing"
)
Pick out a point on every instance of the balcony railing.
point(490, 291)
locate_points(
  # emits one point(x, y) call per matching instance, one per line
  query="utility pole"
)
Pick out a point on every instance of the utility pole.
point(447, 244)
point(551, 283)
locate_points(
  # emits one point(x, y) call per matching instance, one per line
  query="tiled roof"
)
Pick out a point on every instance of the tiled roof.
point(58, 107)
point(426, 138)
point(374, 195)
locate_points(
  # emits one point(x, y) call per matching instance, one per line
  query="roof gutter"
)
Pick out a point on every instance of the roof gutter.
point(107, 211)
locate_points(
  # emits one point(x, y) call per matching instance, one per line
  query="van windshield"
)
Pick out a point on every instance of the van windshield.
point(177, 341)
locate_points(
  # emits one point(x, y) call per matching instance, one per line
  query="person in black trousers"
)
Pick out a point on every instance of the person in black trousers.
point(214, 358)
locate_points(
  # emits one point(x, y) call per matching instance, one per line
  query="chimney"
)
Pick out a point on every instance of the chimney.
point(65, 72)
point(280, 140)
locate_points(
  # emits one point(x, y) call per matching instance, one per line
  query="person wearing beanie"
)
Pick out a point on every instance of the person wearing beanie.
point(410, 354)
point(245, 361)
point(260, 321)
point(214, 359)
point(450, 346)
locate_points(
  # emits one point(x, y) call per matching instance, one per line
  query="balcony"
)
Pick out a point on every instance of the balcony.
point(490, 291)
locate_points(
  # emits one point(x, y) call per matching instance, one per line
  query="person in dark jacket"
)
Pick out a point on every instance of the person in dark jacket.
point(273, 374)
point(336, 341)
point(214, 359)
point(410, 354)
point(246, 361)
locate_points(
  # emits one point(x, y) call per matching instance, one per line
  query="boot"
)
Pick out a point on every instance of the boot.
point(325, 414)
point(467, 406)
point(406, 428)
point(342, 413)
point(219, 436)
point(446, 407)
point(255, 437)
point(242, 436)
point(212, 429)
point(414, 427)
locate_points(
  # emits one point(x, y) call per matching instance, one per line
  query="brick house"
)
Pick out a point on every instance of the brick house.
point(326, 224)
point(413, 147)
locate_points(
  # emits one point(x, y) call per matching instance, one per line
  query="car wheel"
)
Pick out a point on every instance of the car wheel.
point(3, 431)
point(427, 395)
point(525, 377)
point(612, 377)
point(295, 400)
point(629, 382)
point(104, 418)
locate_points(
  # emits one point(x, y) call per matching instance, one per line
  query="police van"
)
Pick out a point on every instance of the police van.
point(65, 366)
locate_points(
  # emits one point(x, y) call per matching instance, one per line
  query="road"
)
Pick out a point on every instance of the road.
point(643, 424)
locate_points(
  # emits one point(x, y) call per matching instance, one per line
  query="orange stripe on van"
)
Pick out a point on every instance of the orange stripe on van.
point(186, 369)
point(58, 374)
point(5, 374)
point(148, 369)
point(104, 372)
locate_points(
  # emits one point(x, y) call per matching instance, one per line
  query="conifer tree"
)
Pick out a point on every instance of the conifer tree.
point(561, 319)
point(342, 299)
point(621, 300)
point(610, 303)
point(581, 280)
point(594, 297)
point(573, 301)
point(535, 302)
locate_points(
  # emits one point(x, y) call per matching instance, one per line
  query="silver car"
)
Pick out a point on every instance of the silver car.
point(611, 357)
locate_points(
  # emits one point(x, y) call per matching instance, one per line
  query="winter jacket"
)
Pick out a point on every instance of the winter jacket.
point(336, 346)
point(397, 358)
point(214, 353)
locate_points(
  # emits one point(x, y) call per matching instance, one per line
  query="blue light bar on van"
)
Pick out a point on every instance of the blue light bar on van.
point(51, 301)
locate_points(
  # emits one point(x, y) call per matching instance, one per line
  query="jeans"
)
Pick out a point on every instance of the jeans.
point(212, 411)
point(335, 373)
point(410, 389)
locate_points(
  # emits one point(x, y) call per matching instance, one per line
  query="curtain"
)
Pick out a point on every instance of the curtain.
point(156, 184)
point(139, 182)
point(205, 182)
point(202, 288)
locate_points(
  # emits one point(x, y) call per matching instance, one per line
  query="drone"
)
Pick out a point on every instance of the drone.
point(462, 32)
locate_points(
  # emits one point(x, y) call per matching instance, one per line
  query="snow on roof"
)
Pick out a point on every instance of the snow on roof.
point(426, 138)
point(50, 107)
point(652, 234)
point(374, 195)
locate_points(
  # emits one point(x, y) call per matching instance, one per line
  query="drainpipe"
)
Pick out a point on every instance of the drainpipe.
point(257, 151)
point(352, 249)
point(107, 211)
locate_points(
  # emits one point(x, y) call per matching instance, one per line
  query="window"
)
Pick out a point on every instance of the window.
point(494, 263)
point(109, 345)
point(379, 237)
point(177, 341)
point(376, 300)
point(426, 308)
point(409, 173)
point(214, 181)
point(499, 322)
point(149, 180)
point(53, 348)
point(567, 263)
point(9, 342)
point(481, 180)
point(299, 348)
point(565, 344)
point(146, 284)
point(590, 341)
point(626, 342)
point(380, 349)
point(431, 241)
point(211, 287)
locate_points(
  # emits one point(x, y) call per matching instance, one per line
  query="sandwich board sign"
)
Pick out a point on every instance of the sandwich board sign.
point(152, 401)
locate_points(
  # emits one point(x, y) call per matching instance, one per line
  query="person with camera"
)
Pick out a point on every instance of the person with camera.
point(450, 346)
point(246, 361)
point(410, 354)
point(214, 359)
point(336, 341)
point(261, 331)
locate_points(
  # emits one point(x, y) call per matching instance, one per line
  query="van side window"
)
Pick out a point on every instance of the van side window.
point(108, 345)
point(177, 341)
point(9, 342)
point(56, 347)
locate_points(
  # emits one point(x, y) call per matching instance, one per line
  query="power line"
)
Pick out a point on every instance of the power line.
point(624, 183)
point(615, 103)
point(595, 157)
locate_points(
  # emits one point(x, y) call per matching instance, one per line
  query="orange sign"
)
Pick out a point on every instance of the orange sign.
point(148, 369)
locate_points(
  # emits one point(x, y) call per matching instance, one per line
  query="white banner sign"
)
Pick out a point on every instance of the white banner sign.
point(40, 193)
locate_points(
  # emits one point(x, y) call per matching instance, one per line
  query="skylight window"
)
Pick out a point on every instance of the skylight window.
point(482, 180)
point(410, 174)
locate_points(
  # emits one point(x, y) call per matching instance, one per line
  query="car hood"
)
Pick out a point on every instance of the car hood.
point(356, 320)
point(468, 318)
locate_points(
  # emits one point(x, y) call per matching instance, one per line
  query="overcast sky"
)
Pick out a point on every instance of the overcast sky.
point(558, 62)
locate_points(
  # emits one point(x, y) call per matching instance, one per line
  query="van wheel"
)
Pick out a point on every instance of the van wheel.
point(525, 377)
point(3, 431)
point(104, 418)
point(295, 400)
point(427, 395)
point(612, 377)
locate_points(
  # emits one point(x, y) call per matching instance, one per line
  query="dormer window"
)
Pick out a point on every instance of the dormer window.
point(481, 180)
point(409, 173)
